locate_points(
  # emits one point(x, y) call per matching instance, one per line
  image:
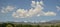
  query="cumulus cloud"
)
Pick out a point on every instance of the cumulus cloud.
point(58, 8)
point(41, 2)
point(50, 13)
point(35, 10)
point(7, 9)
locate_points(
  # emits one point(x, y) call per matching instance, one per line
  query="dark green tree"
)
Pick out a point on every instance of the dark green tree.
point(0, 25)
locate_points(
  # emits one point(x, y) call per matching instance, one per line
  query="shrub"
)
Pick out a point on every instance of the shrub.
point(46, 26)
point(9, 25)
point(52, 25)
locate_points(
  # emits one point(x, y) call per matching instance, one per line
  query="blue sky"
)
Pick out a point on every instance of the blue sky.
point(49, 6)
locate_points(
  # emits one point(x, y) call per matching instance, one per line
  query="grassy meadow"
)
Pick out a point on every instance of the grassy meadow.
point(29, 25)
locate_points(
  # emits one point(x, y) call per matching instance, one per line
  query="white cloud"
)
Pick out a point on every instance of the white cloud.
point(36, 10)
point(25, 21)
point(38, 15)
point(33, 4)
point(49, 14)
point(58, 8)
point(43, 21)
point(41, 2)
point(28, 13)
point(20, 13)
point(7, 9)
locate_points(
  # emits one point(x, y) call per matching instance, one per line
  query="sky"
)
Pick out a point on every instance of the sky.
point(29, 10)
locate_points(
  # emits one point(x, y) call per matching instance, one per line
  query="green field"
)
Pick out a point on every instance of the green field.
point(28, 25)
